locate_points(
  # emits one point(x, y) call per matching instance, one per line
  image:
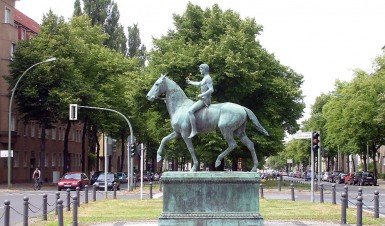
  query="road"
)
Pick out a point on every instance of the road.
point(16, 197)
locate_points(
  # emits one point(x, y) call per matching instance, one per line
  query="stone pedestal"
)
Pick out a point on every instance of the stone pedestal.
point(210, 198)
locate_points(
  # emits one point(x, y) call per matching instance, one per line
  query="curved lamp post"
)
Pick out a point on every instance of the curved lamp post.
point(10, 115)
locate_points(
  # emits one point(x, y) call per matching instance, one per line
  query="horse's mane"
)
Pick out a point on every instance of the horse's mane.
point(176, 87)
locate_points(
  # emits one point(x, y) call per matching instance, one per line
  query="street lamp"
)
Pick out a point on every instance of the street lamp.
point(10, 114)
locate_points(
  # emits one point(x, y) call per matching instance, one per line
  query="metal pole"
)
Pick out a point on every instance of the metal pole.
point(25, 211)
point(10, 117)
point(292, 192)
point(75, 211)
point(376, 204)
point(7, 208)
point(150, 190)
point(45, 207)
point(114, 196)
point(347, 196)
point(68, 200)
point(105, 166)
point(343, 207)
point(319, 160)
point(94, 192)
point(359, 211)
point(261, 187)
point(280, 183)
point(334, 194)
point(78, 195)
point(141, 171)
point(60, 212)
point(130, 171)
point(321, 192)
point(86, 193)
point(57, 199)
point(312, 170)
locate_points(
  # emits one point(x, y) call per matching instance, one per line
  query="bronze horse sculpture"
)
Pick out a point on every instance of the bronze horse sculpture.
point(230, 118)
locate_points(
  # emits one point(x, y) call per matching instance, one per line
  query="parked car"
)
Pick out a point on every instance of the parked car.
point(95, 176)
point(333, 176)
point(325, 176)
point(122, 177)
point(308, 175)
point(347, 178)
point(366, 178)
point(340, 178)
point(156, 177)
point(354, 179)
point(111, 179)
point(72, 180)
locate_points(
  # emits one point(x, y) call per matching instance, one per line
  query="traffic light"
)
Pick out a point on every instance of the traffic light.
point(316, 141)
point(133, 151)
point(73, 112)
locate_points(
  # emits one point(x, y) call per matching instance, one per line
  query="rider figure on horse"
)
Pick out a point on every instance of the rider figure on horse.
point(204, 98)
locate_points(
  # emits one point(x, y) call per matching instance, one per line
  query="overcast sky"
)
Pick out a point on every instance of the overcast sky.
point(324, 40)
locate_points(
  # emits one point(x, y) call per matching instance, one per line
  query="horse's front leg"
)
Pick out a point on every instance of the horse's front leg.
point(164, 141)
point(192, 152)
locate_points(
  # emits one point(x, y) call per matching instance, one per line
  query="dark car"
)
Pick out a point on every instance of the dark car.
point(95, 176)
point(340, 178)
point(72, 180)
point(366, 178)
point(111, 179)
point(122, 177)
point(354, 179)
point(333, 176)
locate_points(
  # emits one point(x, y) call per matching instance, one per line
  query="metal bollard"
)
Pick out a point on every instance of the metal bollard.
point(321, 193)
point(359, 211)
point(68, 200)
point(25, 211)
point(94, 192)
point(150, 190)
point(334, 194)
point(114, 188)
point(86, 193)
point(59, 208)
point(45, 207)
point(347, 196)
point(343, 207)
point(280, 183)
point(359, 192)
point(75, 211)
point(292, 192)
point(261, 187)
point(57, 198)
point(376, 204)
point(160, 185)
point(78, 195)
point(7, 208)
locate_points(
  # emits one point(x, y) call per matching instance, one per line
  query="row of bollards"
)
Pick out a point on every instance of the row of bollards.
point(344, 200)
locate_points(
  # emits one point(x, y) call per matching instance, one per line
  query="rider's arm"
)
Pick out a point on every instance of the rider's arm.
point(194, 83)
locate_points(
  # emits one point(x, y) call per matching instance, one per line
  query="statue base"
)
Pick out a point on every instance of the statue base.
point(210, 198)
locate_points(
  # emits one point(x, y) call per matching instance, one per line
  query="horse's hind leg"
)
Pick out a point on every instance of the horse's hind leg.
point(250, 145)
point(228, 135)
point(192, 152)
point(164, 141)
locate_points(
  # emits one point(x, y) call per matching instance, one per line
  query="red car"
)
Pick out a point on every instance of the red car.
point(72, 180)
point(349, 178)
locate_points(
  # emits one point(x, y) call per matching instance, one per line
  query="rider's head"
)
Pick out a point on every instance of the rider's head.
point(204, 68)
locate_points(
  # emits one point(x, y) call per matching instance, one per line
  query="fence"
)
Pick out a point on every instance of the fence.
point(346, 200)
point(56, 207)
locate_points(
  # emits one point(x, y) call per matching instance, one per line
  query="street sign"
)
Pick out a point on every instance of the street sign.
point(4, 153)
point(303, 135)
point(289, 161)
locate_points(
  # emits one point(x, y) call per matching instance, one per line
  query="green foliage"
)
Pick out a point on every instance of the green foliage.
point(242, 70)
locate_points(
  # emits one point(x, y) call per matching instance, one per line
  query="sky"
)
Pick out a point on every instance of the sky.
point(323, 40)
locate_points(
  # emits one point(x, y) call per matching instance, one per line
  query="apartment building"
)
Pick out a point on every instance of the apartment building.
point(25, 137)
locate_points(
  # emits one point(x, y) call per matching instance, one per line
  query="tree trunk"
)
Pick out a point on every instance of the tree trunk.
point(66, 159)
point(84, 144)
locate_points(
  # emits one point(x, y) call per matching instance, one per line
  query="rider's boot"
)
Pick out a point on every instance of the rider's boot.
point(193, 126)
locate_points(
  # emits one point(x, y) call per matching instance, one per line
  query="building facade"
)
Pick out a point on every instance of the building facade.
point(25, 137)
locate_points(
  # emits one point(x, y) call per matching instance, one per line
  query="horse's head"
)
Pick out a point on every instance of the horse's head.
point(157, 89)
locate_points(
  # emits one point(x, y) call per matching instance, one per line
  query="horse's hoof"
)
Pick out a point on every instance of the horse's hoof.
point(217, 163)
point(193, 169)
point(158, 158)
point(254, 169)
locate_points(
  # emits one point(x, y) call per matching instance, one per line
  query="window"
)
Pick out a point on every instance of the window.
point(53, 159)
point(25, 159)
point(53, 132)
point(7, 16)
point(32, 129)
point(15, 159)
point(13, 49)
point(25, 129)
point(23, 34)
point(46, 160)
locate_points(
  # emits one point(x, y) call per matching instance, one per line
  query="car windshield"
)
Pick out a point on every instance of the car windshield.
point(72, 176)
point(109, 177)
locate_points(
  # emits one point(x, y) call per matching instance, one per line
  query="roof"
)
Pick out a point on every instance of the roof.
point(27, 23)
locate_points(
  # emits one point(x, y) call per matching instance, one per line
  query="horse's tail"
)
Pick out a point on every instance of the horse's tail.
point(254, 119)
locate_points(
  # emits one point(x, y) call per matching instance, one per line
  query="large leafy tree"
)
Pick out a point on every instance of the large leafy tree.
point(242, 70)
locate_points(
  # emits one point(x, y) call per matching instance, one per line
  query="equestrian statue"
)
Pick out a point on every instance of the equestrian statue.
point(189, 117)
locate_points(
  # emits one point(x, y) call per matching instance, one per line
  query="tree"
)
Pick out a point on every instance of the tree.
point(242, 70)
point(77, 9)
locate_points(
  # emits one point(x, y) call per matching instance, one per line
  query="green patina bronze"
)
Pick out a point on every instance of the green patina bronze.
point(210, 198)
point(229, 118)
